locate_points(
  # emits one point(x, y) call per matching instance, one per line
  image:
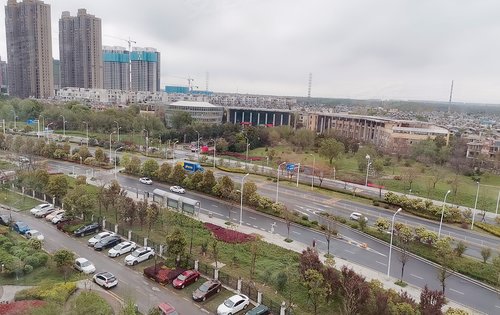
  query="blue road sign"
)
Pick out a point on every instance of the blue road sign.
point(290, 167)
point(30, 121)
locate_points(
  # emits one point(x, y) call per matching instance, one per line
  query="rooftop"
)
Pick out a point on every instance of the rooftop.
point(193, 104)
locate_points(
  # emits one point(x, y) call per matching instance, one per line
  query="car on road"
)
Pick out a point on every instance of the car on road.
point(21, 227)
point(185, 279)
point(260, 309)
point(122, 248)
point(105, 279)
point(44, 212)
point(107, 242)
point(233, 304)
point(166, 309)
point(84, 265)
point(206, 290)
point(55, 213)
point(5, 220)
point(139, 255)
point(87, 229)
point(34, 234)
point(96, 238)
point(146, 180)
point(40, 207)
point(177, 189)
point(356, 216)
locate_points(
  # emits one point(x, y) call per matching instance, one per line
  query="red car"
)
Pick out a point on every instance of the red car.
point(167, 309)
point(185, 278)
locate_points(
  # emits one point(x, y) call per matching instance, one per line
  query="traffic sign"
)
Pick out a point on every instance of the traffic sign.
point(290, 167)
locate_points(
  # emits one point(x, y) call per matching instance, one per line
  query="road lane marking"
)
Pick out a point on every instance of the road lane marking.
point(497, 306)
point(253, 218)
point(457, 291)
point(255, 226)
point(351, 252)
point(381, 263)
point(295, 232)
point(215, 206)
point(418, 277)
point(204, 310)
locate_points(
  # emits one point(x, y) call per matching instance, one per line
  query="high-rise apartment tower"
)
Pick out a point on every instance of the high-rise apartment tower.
point(29, 49)
point(145, 69)
point(80, 50)
point(116, 68)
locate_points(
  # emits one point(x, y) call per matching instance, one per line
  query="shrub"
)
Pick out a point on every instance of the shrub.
point(490, 228)
point(58, 293)
point(228, 236)
point(27, 269)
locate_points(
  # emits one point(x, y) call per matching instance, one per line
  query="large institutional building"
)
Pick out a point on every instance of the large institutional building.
point(80, 50)
point(29, 49)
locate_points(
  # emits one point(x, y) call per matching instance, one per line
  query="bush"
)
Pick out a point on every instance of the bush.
point(58, 293)
point(490, 228)
point(27, 269)
point(228, 236)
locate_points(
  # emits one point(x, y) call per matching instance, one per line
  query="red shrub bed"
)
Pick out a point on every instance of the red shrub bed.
point(161, 274)
point(19, 307)
point(228, 236)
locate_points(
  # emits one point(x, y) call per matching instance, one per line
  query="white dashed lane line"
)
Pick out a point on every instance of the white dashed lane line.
point(418, 277)
point(461, 293)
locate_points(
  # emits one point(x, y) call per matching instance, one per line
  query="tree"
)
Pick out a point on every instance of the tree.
point(180, 119)
point(99, 155)
point(431, 301)
point(329, 232)
point(309, 260)
point(254, 251)
point(353, 289)
point(149, 168)
point(409, 176)
point(153, 214)
point(128, 210)
point(58, 186)
point(361, 157)
point(303, 138)
point(89, 302)
point(288, 217)
point(460, 249)
point(404, 238)
point(485, 253)
point(222, 145)
point(315, 288)
point(224, 187)
point(64, 260)
point(331, 149)
point(133, 166)
point(176, 244)
point(163, 172)
point(142, 212)
point(445, 255)
point(249, 190)
point(208, 182)
point(177, 175)
point(79, 201)
point(215, 251)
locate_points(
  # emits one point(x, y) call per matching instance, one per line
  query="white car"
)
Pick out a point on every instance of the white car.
point(122, 248)
point(40, 207)
point(34, 234)
point(56, 219)
point(105, 279)
point(356, 216)
point(146, 180)
point(50, 216)
point(177, 189)
point(139, 255)
point(96, 238)
point(233, 305)
point(44, 211)
point(83, 265)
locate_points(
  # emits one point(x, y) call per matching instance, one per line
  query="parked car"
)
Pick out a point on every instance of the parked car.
point(107, 242)
point(34, 234)
point(41, 207)
point(233, 305)
point(53, 214)
point(146, 180)
point(44, 212)
point(356, 216)
point(87, 229)
point(21, 227)
point(84, 265)
point(259, 310)
point(5, 220)
point(60, 218)
point(105, 279)
point(139, 255)
point(167, 309)
point(96, 238)
point(177, 189)
point(206, 290)
point(185, 279)
point(122, 248)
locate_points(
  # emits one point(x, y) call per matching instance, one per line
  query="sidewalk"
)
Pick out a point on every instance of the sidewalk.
point(8, 292)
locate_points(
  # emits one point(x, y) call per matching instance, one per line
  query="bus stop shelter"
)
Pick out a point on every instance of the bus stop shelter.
point(176, 201)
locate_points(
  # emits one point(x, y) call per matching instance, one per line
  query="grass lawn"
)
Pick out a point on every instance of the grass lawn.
point(4, 165)
point(18, 201)
point(137, 138)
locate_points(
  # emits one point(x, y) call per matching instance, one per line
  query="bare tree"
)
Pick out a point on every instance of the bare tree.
point(329, 232)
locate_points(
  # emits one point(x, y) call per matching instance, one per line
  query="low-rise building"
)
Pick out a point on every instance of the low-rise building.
point(200, 111)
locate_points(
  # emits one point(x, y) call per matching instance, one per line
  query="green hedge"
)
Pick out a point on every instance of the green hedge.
point(490, 228)
point(58, 293)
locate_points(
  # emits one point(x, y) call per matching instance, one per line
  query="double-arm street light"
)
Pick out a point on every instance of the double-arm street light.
point(312, 178)
point(173, 150)
point(368, 164)
point(278, 181)
point(117, 130)
point(390, 245)
point(241, 198)
point(115, 158)
point(64, 125)
point(475, 207)
point(215, 147)
point(87, 125)
point(442, 213)
point(248, 145)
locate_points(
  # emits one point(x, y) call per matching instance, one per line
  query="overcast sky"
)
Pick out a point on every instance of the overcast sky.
point(387, 49)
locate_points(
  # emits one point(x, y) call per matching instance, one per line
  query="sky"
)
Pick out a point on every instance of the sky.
point(366, 49)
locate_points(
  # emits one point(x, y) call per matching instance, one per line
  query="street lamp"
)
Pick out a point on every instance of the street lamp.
point(241, 198)
point(115, 158)
point(48, 129)
point(110, 144)
point(442, 213)
point(15, 119)
point(147, 140)
point(64, 125)
point(312, 178)
point(198, 146)
point(87, 125)
point(43, 123)
point(278, 181)
point(248, 144)
point(215, 146)
point(117, 130)
point(368, 163)
point(390, 245)
point(475, 207)
point(173, 150)
point(298, 175)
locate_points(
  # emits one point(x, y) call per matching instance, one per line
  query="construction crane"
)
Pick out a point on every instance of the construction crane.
point(129, 41)
point(190, 82)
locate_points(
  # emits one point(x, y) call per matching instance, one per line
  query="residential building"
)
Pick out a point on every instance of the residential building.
point(145, 69)
point(116, 68)
point(200, 111)
point(488, 148)
point(57, 74)
point(109, 96)
point(80, 50)
point(29, 49)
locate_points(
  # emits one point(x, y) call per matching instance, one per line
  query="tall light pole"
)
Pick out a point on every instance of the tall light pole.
point(48, 129)
point(368, 163)
point(498, 201)
point(110, 145)
point(117, 130)
point(390, 245)
point(312, 178)
point(241, 199)
point(43, 123)
point(475, 207)
point(248, 144)
point(87, 125)
point(198, 146)
point(64, 125)
point(173, 151)
point(278, 181)
point(442, 213)
point(147, 140)
point(215, 147)
point(115, 158)
point(298, 174)
point(15, 119)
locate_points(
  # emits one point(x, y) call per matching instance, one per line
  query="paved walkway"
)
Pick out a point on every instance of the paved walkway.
point(8, 292)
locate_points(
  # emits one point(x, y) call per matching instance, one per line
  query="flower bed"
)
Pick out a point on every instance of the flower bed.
point(228, 236)
point(161, 274)
point(19, 307)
